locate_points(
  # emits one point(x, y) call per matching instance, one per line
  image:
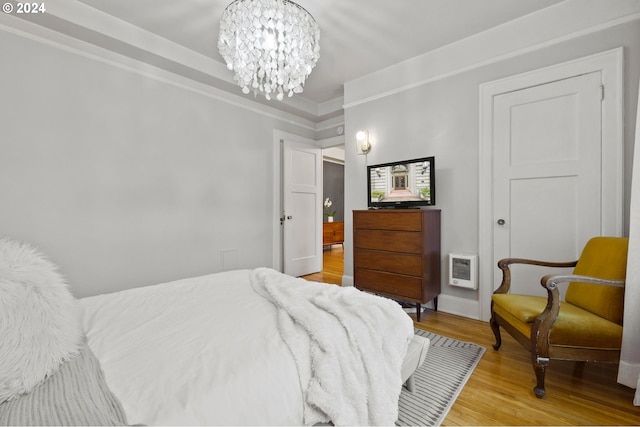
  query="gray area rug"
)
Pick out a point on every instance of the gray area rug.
point(445, 371)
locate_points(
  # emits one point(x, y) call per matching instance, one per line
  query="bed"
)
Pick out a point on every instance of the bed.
point(245, 347)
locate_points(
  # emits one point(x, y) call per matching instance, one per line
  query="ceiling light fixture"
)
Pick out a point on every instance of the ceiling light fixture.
point(271, 44)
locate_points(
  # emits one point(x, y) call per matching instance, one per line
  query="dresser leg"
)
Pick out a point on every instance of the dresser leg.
point(418, 311)
point(435, 304)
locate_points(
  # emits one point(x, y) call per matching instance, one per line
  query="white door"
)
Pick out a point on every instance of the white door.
point(547, 175)
point(302, 208)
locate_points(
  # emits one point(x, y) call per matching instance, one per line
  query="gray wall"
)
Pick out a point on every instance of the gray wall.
point(125, 180)
point(442, 119)
point(333, 187)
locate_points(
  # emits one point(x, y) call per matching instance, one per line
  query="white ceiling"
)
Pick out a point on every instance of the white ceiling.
point(358, 37)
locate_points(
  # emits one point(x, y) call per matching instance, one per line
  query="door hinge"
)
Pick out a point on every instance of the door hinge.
point(601, 92)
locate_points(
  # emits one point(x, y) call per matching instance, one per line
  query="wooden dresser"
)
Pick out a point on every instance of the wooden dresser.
point(397, 254)
point(332, 233)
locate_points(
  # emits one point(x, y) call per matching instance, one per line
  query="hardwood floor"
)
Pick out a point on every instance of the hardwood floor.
point(500, 390)
point(332, 266)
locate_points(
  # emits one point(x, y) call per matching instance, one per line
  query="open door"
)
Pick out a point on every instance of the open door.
point(302, 208)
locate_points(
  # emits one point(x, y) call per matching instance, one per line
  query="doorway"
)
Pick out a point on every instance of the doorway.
point(297, 207)
point(333, 182)
point(333, 215)
point(279, 217)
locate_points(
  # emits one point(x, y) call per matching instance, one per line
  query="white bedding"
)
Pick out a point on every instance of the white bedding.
point(348, 346)
point(223, 364)
point(209, 350)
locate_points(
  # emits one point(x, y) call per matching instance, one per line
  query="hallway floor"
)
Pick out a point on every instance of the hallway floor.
point(332, 266)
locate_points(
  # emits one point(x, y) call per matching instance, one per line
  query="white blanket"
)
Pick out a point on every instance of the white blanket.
point(348, 347)
point(198, 351)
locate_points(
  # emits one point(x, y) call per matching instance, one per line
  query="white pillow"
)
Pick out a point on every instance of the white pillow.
point(39, 325)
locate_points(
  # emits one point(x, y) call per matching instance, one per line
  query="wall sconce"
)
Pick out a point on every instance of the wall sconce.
point(363, 145)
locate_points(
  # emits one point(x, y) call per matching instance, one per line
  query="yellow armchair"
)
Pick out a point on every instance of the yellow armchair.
point(585, 327)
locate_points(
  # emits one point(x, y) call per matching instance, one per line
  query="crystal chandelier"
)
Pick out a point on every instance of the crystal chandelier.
point(271, 44)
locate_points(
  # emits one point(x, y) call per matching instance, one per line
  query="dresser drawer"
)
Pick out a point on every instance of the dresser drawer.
point(388, 220)
point(396, 253)
point(388, 240)
point(332, 232)
point(393, 262)
point(389, 284)
point(327, 236)
point(338, 233)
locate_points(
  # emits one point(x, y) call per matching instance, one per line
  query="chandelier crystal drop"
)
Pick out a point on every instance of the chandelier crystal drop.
point(272, 45)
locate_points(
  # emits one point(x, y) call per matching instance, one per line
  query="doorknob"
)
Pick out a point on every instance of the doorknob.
point(289, 217)
point(501, 221)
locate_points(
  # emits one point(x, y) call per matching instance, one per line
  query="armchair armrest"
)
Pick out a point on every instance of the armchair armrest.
point(550, 281)
point(541, 327)
point(504, 264)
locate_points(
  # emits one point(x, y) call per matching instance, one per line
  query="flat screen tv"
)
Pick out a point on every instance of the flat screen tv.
point(404, 184)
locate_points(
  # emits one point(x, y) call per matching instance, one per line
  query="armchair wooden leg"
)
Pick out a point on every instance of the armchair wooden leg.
point(539, 366)
point(496, 332)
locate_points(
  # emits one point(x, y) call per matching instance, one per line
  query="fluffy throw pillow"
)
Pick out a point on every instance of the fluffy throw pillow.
point(39, 325)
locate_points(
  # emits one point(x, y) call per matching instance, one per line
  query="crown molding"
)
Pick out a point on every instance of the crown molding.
point(79, 21)
point(40, 34)
point(558, 23)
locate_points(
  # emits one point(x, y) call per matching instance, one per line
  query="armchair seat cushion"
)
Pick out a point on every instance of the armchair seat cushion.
point(573, 327)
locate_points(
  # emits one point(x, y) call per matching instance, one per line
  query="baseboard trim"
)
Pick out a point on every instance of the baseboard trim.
point(347, 280)
point(628, 373)
point(459, 306)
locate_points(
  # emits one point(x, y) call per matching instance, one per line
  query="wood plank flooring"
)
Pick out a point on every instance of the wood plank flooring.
point(332, 266)
point(500, 390)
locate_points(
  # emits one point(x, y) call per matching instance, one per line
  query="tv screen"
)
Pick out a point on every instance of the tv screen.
point(405, 184)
